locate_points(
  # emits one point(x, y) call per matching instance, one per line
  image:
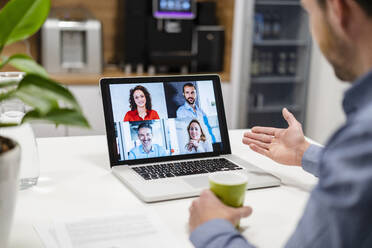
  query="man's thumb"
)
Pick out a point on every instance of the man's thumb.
point(288, 116)
point(243, 212)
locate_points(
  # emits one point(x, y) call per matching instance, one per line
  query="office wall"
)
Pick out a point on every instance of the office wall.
point(325, 93)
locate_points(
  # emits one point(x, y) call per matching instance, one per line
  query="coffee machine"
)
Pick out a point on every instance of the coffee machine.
point(164, 36)
point(71, 42)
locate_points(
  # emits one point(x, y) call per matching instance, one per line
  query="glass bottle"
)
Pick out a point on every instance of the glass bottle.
point(292, 63)
point(276, 26)
point(255, 64)
point(282, 64)
point(267, 30)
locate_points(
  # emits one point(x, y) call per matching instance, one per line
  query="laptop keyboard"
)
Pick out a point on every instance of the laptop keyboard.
point(193, 167)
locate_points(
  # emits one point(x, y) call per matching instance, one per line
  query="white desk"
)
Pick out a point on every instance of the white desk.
point(75, 180)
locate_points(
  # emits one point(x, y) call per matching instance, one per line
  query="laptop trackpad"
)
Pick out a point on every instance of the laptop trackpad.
point(198, 182)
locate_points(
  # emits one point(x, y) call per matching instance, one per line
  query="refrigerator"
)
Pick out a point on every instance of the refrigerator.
point(272, 62)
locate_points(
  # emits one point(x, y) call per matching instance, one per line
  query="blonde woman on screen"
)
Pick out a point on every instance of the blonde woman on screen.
point(197, 139)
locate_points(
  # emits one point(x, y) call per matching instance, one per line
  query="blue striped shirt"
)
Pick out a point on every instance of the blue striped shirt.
point(155, 152)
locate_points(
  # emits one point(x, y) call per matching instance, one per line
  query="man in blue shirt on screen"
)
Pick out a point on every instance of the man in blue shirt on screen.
point(339, 210)
point(147, 149)
point(191, 110)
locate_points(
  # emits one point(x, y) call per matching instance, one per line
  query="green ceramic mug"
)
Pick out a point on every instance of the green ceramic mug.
point(229, 187)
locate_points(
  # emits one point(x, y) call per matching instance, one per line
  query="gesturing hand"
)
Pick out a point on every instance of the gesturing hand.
point(285, 146)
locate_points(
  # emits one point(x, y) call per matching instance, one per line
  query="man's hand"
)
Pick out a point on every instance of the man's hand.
point(208, 207)
point(285, 146)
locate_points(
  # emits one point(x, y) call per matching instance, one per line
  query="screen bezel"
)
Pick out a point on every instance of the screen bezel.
point(160, 14)
point(109, 119)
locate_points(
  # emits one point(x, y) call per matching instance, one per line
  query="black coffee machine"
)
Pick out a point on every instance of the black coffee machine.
point(172, 36)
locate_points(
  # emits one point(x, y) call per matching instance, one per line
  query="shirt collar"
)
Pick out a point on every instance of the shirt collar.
point(143, 150)
point(136, 111)
point(358, 95)
point(188, 106)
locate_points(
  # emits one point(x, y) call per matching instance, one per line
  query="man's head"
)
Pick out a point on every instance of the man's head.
point(189, 92)
point(340, 28)
point(145, 134)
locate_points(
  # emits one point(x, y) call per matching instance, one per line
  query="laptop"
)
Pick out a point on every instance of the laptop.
point(167, 134)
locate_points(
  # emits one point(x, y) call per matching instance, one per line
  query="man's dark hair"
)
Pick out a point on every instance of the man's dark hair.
point(133, 105)
point(188, 85)
point(144, 125)
point(366, 5)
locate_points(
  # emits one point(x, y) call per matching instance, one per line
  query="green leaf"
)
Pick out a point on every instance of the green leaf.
point(59, 116)
point(25, 63)
point(43, 94)
point(3, 61)
point(41, 104)
point(21, 18)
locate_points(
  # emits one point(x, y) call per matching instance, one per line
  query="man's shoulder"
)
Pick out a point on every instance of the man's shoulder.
point(355, 134)
point(135, 149)
point(360, 124)
point(181, 110)
point(181, 107)
point(365, 114)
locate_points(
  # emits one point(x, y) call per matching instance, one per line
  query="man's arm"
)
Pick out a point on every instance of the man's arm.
point(220, 233)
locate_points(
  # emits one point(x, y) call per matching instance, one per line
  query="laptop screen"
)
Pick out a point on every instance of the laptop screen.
point(158, 118)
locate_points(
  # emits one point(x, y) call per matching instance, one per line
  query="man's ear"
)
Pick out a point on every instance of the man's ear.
point(340, 10)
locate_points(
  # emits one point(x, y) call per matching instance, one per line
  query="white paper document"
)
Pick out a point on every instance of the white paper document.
point(48, 235)
point(135, 229)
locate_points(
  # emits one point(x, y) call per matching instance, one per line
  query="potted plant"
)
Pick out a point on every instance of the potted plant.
point(46, 99)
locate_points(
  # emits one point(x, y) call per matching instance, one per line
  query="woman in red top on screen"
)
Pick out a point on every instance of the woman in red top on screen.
point(140, 104)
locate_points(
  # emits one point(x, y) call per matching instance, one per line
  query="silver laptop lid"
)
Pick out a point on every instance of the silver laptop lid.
point(154, 119)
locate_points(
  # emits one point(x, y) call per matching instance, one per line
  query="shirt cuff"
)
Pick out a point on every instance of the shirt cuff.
point(217, 233)
point(311, 158)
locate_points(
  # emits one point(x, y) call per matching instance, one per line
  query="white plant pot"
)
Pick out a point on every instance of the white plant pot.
point(9, 173)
